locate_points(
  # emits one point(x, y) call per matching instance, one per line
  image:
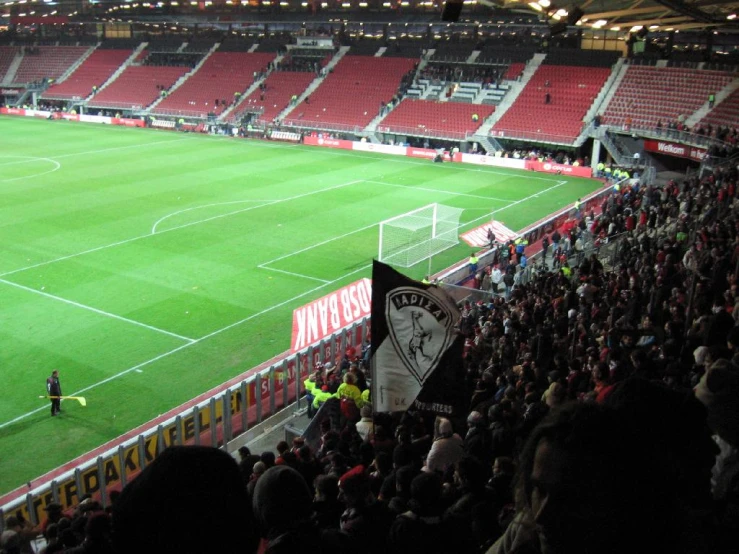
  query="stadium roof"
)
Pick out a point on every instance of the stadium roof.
point(626, 14)
point(617, 15)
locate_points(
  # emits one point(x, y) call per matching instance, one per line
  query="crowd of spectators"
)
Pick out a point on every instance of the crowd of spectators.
point(603, 417)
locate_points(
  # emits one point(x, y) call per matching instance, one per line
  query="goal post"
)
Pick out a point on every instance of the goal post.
point(415, 236)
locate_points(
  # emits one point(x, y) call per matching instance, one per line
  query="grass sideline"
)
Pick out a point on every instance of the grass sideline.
point(149, 267)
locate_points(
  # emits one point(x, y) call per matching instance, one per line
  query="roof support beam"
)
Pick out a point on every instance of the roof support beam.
point(626, 12)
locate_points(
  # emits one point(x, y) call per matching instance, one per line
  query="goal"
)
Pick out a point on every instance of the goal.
point(415, 236)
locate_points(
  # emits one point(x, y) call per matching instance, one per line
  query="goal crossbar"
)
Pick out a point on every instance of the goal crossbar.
point(409, 238)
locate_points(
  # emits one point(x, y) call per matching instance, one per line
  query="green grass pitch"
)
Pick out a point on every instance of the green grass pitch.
point(150, 266)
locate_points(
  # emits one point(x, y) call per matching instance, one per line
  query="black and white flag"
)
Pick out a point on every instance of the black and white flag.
point(416, 350)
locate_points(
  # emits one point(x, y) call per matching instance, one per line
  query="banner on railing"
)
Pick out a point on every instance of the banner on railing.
point(559, 169)
point(479, 159)
point(327, 315)
point(12, 111)
point(328, 142)
point(128, 122)
point(380, 148)
point(426, 153)
point(674, 149)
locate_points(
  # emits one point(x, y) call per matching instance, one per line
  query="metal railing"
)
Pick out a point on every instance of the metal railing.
point(192, 114)
point(423, 131)
point(684, 137)
point(321, 125)
point(535, 136)
point(113, 105)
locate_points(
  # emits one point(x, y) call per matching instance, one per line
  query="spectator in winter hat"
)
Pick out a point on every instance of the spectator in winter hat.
point(185, 490)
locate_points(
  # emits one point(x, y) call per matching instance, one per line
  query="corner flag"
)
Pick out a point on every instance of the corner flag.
point(416, 349)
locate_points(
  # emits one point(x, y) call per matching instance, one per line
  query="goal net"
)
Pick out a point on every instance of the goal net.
point(415, 236)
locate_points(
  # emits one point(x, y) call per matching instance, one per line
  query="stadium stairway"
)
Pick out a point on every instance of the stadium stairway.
point(516, 87)
point(13, 68)
point(704, 111)
point(316, 82)
point(236, 108)
point(620, 155)
point(603, 98)
point(186, 76)
point(608, 90)
point(235, 112)
point(72, 68)
point(135, 54)
point(370, 130)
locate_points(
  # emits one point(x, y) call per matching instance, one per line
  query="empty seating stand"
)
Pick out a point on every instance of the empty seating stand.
point(351, 95)
point(94, 71)
point(514, 71)
point(280, 88)
point(273, 44)
point(649, 95)
point(235, 44)
point(725, 114)
point(402, 48)
point(221, 76)
point(447, 51)
point(499, 54)
point(452, 120)
point(571, 89)
point(137, 87)
point(51, 62)
point(365, 46)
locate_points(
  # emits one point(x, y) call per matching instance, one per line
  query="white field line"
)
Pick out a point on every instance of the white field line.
point(154, 227)
point(56, 167)
point(116, 148)
point(95, 310)
point(294, 274)
point(137, 368)
point(441, 191)
point(132, 239)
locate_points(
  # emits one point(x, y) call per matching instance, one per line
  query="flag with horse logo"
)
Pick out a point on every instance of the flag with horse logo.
point(417, 351)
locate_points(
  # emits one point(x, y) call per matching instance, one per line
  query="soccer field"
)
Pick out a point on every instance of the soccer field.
point(149, 266)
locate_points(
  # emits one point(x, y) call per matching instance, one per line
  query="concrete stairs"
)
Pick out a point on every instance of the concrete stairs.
point(702, 112)
point(76, 64)
point(516, 88)
point(487, 142)
point(140, 48)
point(603, 99)
point(254, 86)
point(13, 69)
point(315, 83)
point(178, 83)
point(609, 90)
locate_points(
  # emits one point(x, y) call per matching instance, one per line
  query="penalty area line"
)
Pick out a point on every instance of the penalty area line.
point(95, 310)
